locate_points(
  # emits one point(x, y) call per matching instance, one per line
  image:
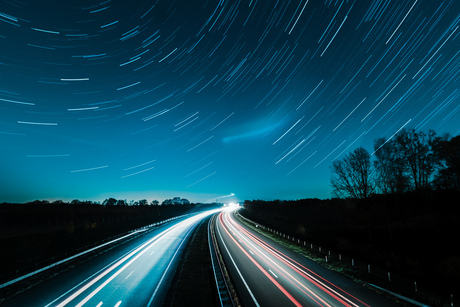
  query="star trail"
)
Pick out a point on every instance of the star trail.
point(199, 99)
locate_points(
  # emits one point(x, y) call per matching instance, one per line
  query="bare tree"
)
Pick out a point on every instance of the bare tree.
point(391, 175)
point(447, 153)
point(415, 148)
point(351, 177)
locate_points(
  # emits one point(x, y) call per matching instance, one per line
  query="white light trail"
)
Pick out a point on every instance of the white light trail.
point(391, 137)
point(37, 123)
point(435, 52)
point(401, 22)
point(310, 95)
point(334, 35)
point(329, 154)
point(126, 169)
point(201, 180)
point(298, 17)
point(167, 56)
point(83, 109)
point(200, 143)
point(301, 142)
point(74, 79)
point(221, 122)
point(383, 98)
point(45, 31)
point(89, 169)
point(349, 114)
point(18, 102)
point(47, 156)
point(145, 170)
point(288, 131)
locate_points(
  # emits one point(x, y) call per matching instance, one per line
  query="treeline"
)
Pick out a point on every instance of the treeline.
point(42, 216)
point(40, 230)
point(410, 160)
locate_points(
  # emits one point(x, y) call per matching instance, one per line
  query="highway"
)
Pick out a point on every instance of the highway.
point(136, 273)
point(268, 274)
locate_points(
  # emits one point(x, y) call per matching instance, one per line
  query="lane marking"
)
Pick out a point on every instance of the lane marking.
point(65, 260)
point(297, 267)
point(129, 275)
point(111, 268)
point(284, 291)
point(117, 304)
point(88, 297)
point(90, 281)
point(167, 268)
point(272, 273)
point(238, 270)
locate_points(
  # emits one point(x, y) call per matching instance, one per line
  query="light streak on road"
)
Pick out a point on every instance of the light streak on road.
point(294, 281)
point(148, 264)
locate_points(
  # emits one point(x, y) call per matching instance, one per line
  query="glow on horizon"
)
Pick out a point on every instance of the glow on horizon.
point(198, 101)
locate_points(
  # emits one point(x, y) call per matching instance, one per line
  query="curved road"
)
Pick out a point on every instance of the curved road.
point(136, 273)
point(268, 274)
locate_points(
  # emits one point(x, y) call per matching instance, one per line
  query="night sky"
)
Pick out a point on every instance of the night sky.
point(209, 99)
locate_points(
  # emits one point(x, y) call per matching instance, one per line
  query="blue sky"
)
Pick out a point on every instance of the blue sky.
point(202, 99)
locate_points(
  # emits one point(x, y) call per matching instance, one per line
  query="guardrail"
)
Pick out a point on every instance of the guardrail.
point(227, 294)
point(386, 278)
point(98, 246)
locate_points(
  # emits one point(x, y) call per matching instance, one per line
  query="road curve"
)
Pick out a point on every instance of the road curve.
point(136, 273)
point(268, 274)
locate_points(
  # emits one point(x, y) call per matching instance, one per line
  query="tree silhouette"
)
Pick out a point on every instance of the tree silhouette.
point(415, 149)
point(447, 153)
point(109, 202)
point(390, 168)
point(352, 176)
point(410, 161)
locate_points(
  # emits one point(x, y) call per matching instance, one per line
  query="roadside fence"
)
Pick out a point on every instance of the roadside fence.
point(373, 276)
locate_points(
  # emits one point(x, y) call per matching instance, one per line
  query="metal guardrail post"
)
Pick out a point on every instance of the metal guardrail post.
point(222, 287)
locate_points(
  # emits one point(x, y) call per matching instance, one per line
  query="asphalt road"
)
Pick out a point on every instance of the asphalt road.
point(268, 274)
point(137, 273)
